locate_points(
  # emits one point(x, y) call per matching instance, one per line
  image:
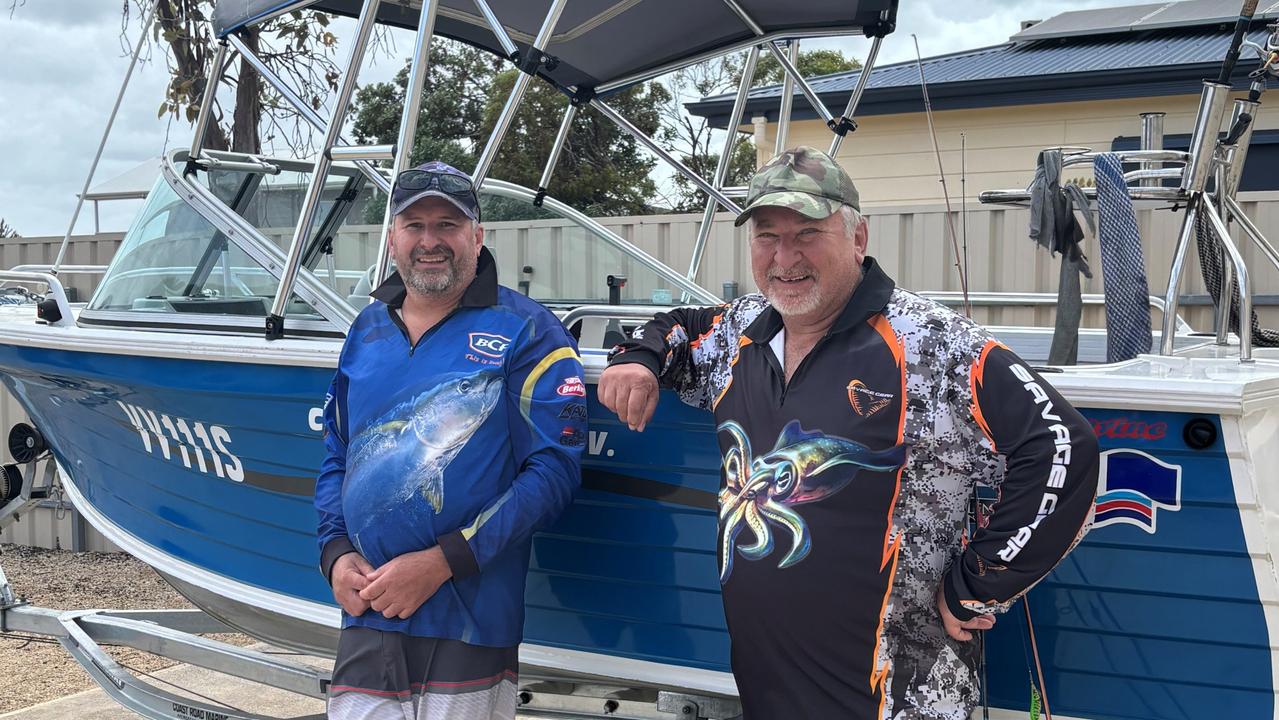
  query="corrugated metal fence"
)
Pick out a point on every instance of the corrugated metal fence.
point(53, 524)
point(911, 242)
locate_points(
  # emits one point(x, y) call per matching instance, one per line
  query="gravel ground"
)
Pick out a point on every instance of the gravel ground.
point(36, 671)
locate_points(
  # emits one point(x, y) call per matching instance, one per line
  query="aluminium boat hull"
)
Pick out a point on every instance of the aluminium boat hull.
point(205, 469)
point(1166, 610)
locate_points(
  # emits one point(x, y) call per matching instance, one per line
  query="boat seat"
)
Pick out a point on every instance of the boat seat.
point(360, 294)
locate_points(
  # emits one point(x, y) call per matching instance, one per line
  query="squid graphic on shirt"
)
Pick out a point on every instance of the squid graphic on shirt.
point(761, 491)
point(418, 438)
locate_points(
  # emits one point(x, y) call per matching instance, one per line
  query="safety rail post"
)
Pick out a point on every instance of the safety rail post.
point(407, 135)
point(311, 203)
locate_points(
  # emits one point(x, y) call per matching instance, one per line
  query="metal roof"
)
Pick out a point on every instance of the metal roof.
point(1086, 64)
point(1138, 18)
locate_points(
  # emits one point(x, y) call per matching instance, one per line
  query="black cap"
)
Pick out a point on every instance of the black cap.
point(461, 193)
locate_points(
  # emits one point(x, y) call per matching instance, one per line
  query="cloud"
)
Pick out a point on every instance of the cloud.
point(63, 68)
point(69, 13)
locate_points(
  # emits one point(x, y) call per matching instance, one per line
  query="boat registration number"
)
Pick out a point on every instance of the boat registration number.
point(189, 441)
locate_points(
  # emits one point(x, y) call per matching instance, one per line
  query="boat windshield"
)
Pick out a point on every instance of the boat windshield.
point(174, 260)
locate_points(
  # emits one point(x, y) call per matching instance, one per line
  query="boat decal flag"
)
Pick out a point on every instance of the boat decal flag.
point(1133, 487)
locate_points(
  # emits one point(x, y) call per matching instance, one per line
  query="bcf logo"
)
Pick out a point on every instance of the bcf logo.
point(493, 346)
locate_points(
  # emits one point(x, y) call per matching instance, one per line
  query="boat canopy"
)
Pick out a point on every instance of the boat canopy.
point(604, 45)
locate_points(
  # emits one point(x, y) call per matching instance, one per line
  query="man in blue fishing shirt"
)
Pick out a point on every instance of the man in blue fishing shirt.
point(454, 429)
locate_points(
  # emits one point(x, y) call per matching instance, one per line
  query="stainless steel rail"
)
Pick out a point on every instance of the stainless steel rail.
point(56, 291)
point(983, 299)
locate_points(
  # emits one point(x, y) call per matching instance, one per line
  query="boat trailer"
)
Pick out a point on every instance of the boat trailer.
point(178, 635)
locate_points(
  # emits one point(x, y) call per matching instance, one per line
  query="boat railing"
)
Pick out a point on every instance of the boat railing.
point(1143, 193)
point(1206, 183)
point(1028, 299)
point(54, 308)
point(977, 299)
point(69, 269)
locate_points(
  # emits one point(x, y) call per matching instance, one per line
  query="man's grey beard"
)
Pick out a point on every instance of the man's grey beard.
point(809, 303)
point(434, 282)
point(802, 306)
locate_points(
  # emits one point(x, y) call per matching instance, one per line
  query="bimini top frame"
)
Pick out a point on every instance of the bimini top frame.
point(586, 48)
point(601, 46)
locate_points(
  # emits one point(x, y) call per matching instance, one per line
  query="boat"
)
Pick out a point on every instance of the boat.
point(180, 406)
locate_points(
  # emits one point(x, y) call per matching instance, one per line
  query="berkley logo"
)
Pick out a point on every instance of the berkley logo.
point(493, 346)
point(572, 386)
point(866, 402)
point(1121, 428)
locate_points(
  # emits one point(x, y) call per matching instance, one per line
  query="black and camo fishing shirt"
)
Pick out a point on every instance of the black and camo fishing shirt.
point(846, 493)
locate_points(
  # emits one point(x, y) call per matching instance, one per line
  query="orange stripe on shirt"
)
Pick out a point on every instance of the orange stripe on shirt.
point(879, 675)
point(885, 330)
point(703, 336)
point(892, 542)
point(742, 342)
point(977, 377)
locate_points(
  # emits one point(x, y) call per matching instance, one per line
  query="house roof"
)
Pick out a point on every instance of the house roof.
point(1139, 18)
point(1092, 67)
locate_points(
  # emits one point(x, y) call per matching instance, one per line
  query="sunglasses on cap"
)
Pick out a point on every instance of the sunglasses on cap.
point(446, 182)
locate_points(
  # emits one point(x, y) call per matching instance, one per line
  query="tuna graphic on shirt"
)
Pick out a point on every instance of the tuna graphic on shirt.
point(425, 434)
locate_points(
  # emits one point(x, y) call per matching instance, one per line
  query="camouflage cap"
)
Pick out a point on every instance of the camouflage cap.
point(803, 179)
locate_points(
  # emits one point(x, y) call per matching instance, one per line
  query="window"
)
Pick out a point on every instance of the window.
point(1262, 154)
point(167, 259)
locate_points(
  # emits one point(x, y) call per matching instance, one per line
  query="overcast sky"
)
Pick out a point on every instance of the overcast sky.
point(62, 61)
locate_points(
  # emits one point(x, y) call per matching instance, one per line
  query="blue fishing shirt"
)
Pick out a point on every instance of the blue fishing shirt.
point(471, 440)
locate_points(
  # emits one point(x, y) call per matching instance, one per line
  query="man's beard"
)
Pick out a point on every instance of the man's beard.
point(788, 304)
point(784, 301)
point(437, 281)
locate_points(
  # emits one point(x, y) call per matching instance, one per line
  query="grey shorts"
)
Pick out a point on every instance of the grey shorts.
point(391, 676)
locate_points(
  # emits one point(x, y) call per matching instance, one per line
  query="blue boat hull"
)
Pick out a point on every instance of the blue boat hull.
point(213, 464)
point(1155, 616)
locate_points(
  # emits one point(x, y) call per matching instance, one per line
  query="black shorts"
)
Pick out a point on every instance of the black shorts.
point(391, 676)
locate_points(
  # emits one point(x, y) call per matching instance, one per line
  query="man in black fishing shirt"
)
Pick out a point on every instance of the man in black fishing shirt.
point(854, 420)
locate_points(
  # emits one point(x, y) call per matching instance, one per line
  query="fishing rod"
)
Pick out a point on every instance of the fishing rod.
point(1236, 42)
point(963, 197)
point(950, 216)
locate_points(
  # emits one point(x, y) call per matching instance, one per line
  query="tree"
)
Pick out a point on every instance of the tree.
point(297, 46)
point(452, 109)
point(601, 171)
point(812, 63)
point(697, 144)
point(7, 231)
point(691, 138)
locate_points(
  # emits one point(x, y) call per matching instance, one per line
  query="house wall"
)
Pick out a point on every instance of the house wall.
point(891, 157)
